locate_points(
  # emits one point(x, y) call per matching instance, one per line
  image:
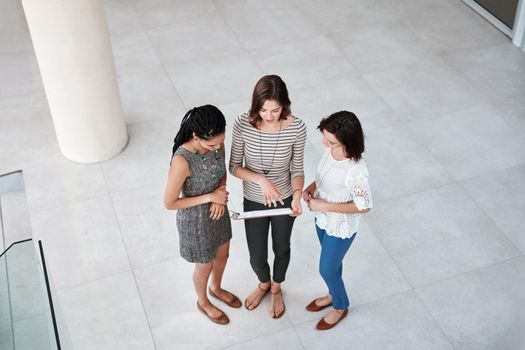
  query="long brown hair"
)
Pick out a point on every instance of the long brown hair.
point(269, 87)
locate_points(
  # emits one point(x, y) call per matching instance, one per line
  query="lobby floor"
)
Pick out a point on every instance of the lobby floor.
point(437, 264)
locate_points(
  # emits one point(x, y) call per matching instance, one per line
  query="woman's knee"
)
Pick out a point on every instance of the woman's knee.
point(328, 271)
point(222, 254)
point(203, 268)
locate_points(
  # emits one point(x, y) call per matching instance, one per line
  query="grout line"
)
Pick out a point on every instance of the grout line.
point(477, 269)
point(130, 264)
point(159, 56)
point(237, 37)
point(244, 341)
point(448, 338)
point(504, 234)
point(299, 337)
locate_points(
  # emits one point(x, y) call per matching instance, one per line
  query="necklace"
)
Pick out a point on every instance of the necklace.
point(216, 154)
point(203, 157)
point(267, 171)
point(326, 172)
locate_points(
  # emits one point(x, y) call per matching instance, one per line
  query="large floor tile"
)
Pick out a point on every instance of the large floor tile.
point(226, 79)
point(285, 339)
point(149, 96)
point(149, 230)
point(512, 110)
point(334, 16)
point(471, 142)
point(481, 309)
point(304, 62)
point(398, 322)
point(379, 47)
point(170, 302)
point(497, 70)
point(156, 13)
point(124, 23)
point(438, 234)
point(147, 157)
point(445, 26)
point(15, 33)
point(398, 165)
point(423, 90)
point(196, 39)
point(59, 181)
point(316, 102)
point(20, 74)
point(26, 131)
point(81, 240)
point(145, 89)
point(369, 272)
point(15, 216)
point(502, 196)
point(104, 314)
point(256, 30)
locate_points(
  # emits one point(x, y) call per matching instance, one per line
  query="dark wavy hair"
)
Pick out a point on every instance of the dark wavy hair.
point(205, 121)
point(346, 127)
point(269, 87)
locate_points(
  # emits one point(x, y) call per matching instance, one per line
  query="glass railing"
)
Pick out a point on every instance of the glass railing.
point(27, 318)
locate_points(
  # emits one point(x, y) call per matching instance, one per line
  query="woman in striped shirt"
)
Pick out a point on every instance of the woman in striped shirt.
point(267, 154)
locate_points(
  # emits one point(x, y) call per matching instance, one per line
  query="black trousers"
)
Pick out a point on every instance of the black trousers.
point(257, 239)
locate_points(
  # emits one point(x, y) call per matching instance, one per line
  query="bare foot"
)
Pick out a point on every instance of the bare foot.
point(323, 301)
point(276, 303)
point(210, 309)
point(333, 316)
point(254, 299)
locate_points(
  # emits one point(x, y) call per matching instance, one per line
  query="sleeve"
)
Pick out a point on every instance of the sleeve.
point(237, 151)
point(357, 182)
point(297, 161)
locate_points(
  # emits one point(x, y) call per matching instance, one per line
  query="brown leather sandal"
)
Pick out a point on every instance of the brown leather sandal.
point(234, 302)
point(257, 304)
point(284, 307)
point(222, 319)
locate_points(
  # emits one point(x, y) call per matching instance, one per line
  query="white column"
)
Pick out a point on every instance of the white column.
point(73, 50)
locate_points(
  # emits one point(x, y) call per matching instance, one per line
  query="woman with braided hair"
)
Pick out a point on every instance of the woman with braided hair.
point(198, 172)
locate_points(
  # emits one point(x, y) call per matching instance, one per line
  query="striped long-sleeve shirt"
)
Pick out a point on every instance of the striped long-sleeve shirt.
point(280, 154)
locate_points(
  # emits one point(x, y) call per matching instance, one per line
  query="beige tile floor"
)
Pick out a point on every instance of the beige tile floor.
point(438, 264)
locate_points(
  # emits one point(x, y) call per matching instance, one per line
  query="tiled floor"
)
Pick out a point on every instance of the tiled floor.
point(438, 264)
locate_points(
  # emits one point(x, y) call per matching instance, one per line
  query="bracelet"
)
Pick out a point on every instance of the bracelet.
point(297, 189)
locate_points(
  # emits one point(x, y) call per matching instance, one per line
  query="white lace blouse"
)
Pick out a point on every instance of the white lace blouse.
point(341, 182)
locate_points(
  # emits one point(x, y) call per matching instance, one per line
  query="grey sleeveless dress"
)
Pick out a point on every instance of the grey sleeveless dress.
point(199, 235)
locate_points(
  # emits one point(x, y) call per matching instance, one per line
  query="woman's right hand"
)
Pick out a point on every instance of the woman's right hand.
point(220, 195)
point(308, 192)
point(270, 192)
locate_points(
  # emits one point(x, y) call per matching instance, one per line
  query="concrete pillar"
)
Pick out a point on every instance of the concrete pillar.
point(73, 50)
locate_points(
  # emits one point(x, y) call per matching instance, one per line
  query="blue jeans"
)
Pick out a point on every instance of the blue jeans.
point(333, 250)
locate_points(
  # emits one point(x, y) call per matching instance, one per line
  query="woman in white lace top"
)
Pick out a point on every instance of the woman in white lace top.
point(339, 195)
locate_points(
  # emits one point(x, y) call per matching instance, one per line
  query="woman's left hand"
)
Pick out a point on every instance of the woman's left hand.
point(297, 209)
point(216, 211)
point(316, 204)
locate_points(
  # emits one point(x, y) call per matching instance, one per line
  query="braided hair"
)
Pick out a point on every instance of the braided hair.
point(205, 121)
